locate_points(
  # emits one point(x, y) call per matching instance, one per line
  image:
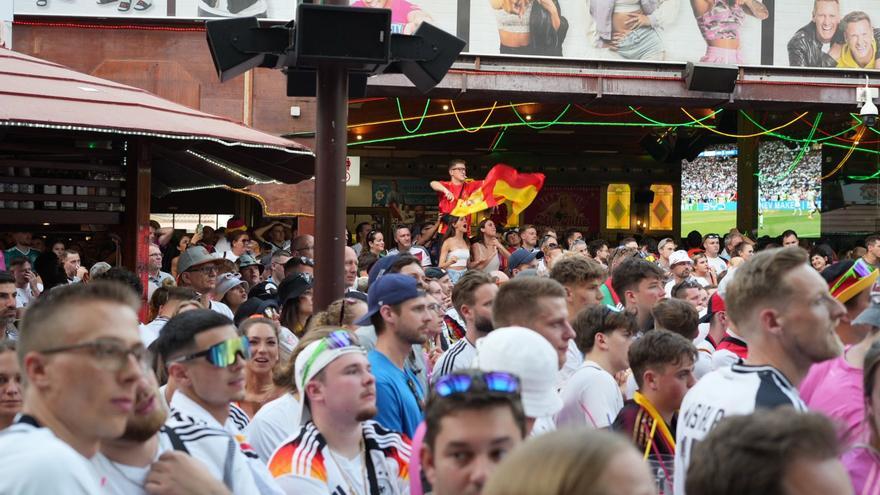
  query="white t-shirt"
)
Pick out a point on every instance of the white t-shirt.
point(735, 390)
point(703, 365)
point(273, 423)
point(718, 264)
point(25, 295)
point(150, 331)
point(574, 358)
point(458, 357)
point(590, 398)
point(223, 309)
point(33, 461)
point(122, 479)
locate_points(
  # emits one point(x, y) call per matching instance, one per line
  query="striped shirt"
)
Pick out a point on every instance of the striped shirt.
point(460, 356)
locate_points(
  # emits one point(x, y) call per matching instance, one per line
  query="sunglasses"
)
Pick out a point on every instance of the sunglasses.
point(713, 236)
point(222, 355)
point(338, 339)
point(493, 381)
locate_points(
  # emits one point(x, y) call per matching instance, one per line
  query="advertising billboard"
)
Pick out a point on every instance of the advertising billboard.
point(813, 33)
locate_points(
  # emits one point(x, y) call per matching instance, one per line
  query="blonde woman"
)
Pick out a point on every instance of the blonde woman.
point(573, 461)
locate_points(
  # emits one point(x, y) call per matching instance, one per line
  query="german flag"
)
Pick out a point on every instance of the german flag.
point(503, 184)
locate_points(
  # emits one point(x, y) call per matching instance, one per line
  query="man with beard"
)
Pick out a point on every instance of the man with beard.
point(399, 312)
point(8, 311)
point(680, 267)
point(338, 448)
point(472, 297)
point(782, 307)
point(205, 358)
point(192, 460)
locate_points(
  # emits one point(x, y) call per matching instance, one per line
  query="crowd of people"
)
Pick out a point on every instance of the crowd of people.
point(476, 360)
point(711, 177)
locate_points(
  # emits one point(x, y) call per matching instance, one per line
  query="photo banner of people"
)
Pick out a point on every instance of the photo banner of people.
point(805, 33)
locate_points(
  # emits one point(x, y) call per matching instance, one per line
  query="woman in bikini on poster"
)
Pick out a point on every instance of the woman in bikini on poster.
point(720, 22)
point(631, 27)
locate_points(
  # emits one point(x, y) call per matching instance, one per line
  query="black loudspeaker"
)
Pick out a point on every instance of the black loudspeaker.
point(660, 147)
point(444, 48)
point(357, 37)
point(228, 59)
point(712, 78)
point(644, 197)
point(305, 83)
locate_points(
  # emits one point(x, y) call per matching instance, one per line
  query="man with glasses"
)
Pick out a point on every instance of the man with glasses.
point(339, 448)
point(472, 297)
point(303, 245)
point(155, 276)
point(205, 358)
point(399, 312)
point(198, 270)
point(473, 419)
point(276, 267)
point(712, 247)
point(457, 188)
point(81, 358)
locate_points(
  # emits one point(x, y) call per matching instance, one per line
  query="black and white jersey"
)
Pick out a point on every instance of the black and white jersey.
point(734, 390)
point(458, 357)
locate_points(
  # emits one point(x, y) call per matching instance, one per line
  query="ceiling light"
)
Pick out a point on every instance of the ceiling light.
point(359, 137)
point(445, 107)
point(528, 117)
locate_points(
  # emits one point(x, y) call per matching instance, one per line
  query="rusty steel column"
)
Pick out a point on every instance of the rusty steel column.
point(330, 140)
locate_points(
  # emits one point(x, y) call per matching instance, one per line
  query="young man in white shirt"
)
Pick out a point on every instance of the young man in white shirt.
point(81, 359)
point(712, 246)
point(472, 297)
point(27, 286)
point(581, 277)
point(169, 299)
point(782, 307)
point(591, 397)
point(339, 448)
point(205, 357)
point(173, 461)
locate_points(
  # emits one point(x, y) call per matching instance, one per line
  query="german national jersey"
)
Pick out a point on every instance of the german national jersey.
point(460, 356)
point(735, 390)
point(642, 423)
point(304, 464)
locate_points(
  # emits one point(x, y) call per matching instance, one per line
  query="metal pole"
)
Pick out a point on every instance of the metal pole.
point(330, 143)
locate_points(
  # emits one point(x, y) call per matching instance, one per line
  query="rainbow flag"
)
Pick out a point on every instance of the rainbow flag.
point(503, 184)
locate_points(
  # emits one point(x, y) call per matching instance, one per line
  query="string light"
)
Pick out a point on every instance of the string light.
point(403, 120)
point(196, 188)
point(431, 116)
point(83, 25)
point(128, 132)
point(684, 124)
point(508, 124)
point(477, 129)
point(229, 169)
point(742, 136)
point(541, 126)
point(848, 154)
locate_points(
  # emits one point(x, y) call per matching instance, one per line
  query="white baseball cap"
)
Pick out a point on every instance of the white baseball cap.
point(680, 256)
point(528, 355)
point(317, 356)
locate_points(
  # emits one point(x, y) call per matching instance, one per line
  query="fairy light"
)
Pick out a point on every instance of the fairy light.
point(196, 188)
point(229, 169)
point(127, 132)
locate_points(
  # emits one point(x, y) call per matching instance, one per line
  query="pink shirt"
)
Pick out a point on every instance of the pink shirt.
point(834, 387)
point(863, 467)
point(400, 10)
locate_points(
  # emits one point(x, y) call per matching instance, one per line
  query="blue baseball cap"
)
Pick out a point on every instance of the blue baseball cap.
point(522, 256)
point(380, 267)
point(393, 288)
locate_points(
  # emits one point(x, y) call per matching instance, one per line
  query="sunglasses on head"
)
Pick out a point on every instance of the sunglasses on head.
point(713, 236)
point(493, 381)
point(223, 354)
